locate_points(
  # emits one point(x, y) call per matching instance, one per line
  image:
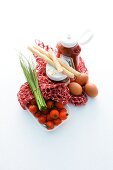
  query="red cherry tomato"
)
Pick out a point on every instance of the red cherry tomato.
point(45, 112)
point(54, 114)
point(50, 125)
point(33, 109)
point(64, 110)
point(57, 121)
point(59, 105)
point(49, 117)
point(37, 114)
point(63, 115)
point(50, 104)
point(42, 119)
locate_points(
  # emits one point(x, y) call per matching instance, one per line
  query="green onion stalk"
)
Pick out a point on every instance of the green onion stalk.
point(29, 70)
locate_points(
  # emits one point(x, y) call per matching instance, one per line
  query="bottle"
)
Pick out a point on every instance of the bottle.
point(69, 50)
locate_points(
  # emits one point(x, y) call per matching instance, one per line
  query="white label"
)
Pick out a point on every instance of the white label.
point(69, 60)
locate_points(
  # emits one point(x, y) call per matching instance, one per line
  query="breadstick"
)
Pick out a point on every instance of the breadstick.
point(55, 60)
point(51, 55)
point(42, 50)
point(76, 73)
point(68, 73)
point(48, 60)
point(44, 57)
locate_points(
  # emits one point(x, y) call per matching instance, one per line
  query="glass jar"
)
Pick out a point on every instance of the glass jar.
point(69, 49)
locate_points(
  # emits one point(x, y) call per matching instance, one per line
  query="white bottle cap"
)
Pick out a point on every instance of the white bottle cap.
point(68, 42)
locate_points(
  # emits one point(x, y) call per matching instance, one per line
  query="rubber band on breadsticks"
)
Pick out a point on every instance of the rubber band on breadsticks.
point(48, 60)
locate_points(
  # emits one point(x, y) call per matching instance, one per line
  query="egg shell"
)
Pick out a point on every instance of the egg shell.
point(75, 88)
point(82, 79)
point(91, 89)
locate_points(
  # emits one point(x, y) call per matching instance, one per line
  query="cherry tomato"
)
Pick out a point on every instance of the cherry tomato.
point(50, 104)
point(50, 125)
point(49, 117)
point(64, 110)
point(59, 105)
point(63, 115)
point(57, 121)
point(33, 109)
point(54, 114)
point(42, 119)
point(45, 112)
point(37, 114)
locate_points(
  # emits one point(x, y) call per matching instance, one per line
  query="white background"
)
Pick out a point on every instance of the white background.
point(85, 141)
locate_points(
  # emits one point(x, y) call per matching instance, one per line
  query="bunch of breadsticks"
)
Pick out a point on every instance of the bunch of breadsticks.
point(50, 57)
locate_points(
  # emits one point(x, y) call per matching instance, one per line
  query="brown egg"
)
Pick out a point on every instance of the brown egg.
point(82, 79)
point(75, 88)
point(91, 90)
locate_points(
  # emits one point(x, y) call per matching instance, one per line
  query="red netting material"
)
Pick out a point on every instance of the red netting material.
point(25, 95)
point(50, 89)
point(81, 66)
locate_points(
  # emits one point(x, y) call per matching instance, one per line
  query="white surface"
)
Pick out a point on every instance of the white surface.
point(85, 142)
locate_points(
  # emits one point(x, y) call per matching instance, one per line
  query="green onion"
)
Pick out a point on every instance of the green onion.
point(29, 70)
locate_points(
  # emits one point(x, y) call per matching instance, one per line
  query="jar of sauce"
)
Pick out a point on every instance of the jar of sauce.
point(69, 49)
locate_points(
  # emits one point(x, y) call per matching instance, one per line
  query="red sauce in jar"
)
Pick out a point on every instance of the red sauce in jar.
point(71, 53)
